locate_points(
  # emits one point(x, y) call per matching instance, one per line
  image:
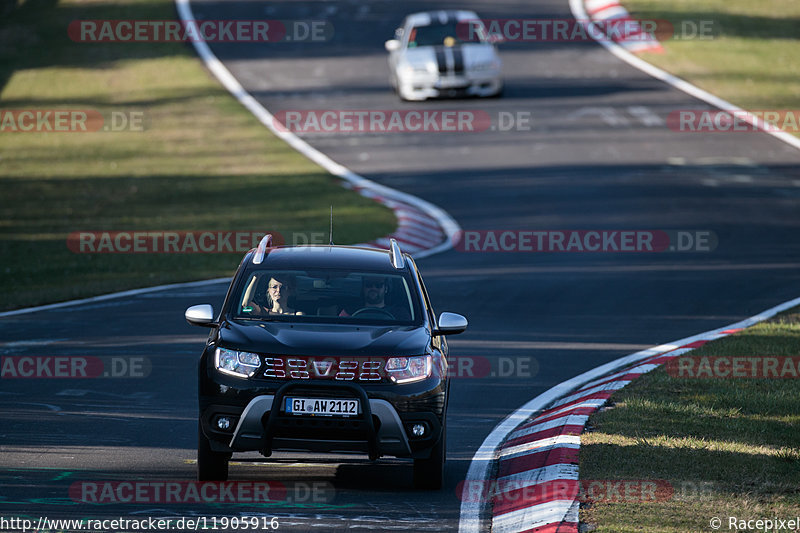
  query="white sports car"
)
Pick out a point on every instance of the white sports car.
point(443, 53)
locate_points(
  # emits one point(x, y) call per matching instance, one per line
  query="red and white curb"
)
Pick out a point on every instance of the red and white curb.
point(530, 460)
point(423, 228)
point(635, 39)
point(543, 453)
point(416, 232)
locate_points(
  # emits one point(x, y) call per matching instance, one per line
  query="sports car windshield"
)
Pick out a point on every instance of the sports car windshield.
point(327, 295)
point(452, 33)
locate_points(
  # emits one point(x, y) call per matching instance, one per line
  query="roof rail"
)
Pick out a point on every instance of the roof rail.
point(266, 242)
point(396, 256)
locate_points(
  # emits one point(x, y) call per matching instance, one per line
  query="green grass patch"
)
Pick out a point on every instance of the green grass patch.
point(751, 59)
point(203, 162)
point(728, 447)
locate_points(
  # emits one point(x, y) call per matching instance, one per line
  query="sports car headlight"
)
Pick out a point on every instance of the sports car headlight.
point(240, 364)
point(409, 369)
point(410, 70)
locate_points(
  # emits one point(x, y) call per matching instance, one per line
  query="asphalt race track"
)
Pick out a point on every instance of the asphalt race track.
point(597, 155)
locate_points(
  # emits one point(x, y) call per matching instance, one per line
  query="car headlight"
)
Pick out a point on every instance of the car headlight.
point(409, 70)
point(409, 369)
point(240, 364)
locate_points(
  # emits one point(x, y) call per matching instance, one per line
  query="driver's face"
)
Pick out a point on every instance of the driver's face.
point(277, 290)
point(374, 291)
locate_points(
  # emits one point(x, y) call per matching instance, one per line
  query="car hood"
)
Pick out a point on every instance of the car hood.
point(281, 338)
point(472, 52)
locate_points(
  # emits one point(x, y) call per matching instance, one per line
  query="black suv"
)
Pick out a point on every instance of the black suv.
point(325, 349)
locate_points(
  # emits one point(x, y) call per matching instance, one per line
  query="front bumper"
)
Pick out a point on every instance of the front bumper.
point(389, 439)
point(382, 427)
point(424, 87)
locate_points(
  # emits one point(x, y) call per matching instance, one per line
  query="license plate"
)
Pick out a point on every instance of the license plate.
point(450, 83)
point(321, 406)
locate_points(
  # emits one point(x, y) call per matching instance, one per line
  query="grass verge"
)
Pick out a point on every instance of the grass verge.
point(202, 162)
point(728, 447)
point(750, 58)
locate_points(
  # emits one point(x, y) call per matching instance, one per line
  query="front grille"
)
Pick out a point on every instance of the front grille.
point(363, 369)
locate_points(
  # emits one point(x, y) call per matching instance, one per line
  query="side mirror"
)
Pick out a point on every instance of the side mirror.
point(392, 45)
point(451, 324)
point(200, 315)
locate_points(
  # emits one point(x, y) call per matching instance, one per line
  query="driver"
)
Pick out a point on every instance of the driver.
point(374, 291)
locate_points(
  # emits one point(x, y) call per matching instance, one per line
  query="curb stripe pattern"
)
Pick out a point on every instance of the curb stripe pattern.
point(416, 230)
point(635, 39)
point(524, 499)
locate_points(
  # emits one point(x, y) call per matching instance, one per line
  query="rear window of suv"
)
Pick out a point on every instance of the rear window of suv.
point(328, 295)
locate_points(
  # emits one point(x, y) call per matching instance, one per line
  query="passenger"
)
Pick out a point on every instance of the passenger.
point(279, 289)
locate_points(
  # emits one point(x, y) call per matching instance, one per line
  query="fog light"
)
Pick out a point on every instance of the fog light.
point(223, 422)
point(418, 430)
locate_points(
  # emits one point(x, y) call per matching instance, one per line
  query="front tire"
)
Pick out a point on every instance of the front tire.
point(429, 473)
point(211, 465)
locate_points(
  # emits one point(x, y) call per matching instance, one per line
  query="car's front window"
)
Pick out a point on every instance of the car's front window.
point(450, 34)
point(327, 295)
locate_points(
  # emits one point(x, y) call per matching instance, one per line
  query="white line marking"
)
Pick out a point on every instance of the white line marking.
point(645, 115)
point(579, 12)
point(31, 342)
point(448, 224)
point(50, 406)
point(132, 292)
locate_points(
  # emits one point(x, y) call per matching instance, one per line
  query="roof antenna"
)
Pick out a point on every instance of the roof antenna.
point(330, 234)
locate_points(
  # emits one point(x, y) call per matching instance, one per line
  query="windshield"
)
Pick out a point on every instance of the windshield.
point(337, 296)
point(450, 34)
